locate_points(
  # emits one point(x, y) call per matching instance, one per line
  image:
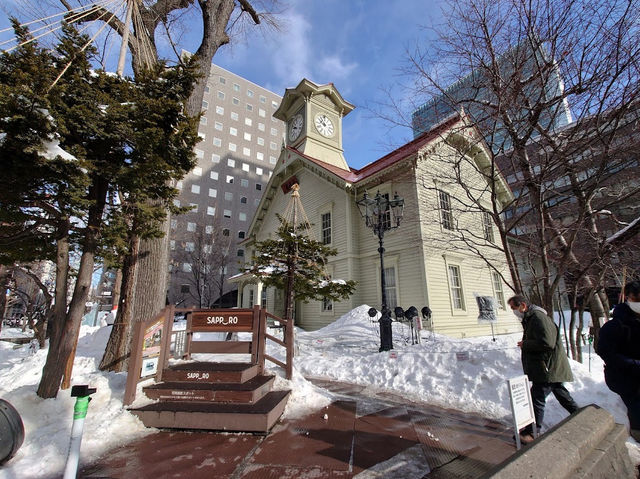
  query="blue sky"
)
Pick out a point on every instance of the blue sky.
point(359, 45)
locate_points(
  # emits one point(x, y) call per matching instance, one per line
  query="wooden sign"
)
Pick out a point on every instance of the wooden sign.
point(222, 321)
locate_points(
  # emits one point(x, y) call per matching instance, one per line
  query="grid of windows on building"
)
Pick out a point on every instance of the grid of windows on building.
point(455, 285)
point(231, 155)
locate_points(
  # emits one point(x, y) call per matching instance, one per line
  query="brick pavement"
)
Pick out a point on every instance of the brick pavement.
point(356, 436)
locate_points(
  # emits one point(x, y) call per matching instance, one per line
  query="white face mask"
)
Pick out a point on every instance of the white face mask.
point(520, 314)
point(635, 306)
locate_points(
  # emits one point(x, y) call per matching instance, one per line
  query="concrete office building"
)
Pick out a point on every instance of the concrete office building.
point(241, 142)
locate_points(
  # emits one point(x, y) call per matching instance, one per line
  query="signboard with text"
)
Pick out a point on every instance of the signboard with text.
point(521, 404)
point(222, 320)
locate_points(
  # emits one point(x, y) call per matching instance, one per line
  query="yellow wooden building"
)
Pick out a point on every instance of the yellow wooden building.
point(428, 260)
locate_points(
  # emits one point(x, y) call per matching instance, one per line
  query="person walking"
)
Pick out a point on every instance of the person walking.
point(544, 361)
point(619, 347)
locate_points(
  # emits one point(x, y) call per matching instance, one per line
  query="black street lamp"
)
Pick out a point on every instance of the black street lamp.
point(382, 214)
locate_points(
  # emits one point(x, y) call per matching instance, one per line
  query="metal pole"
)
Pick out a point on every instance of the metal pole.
point(386, 334)
point(125, 39)
point(82, 394)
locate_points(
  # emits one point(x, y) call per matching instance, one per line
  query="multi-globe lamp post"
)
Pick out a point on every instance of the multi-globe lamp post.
point(382, 214)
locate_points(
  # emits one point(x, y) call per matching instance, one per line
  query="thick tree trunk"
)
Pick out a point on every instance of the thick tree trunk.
point(116, 355)
point(62, 287)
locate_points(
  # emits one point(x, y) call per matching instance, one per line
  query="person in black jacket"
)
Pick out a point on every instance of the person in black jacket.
point(619, 347)
point(544, 361)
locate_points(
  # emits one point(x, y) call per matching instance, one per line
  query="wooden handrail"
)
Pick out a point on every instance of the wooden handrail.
point(204, 320)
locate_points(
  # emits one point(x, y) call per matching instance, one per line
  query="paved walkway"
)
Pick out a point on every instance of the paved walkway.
point(357, 436)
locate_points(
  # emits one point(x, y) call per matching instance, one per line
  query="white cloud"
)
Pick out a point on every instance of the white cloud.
point(292, 53)
point(334, 67)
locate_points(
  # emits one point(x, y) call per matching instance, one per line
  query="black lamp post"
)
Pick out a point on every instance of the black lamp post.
point(382, 214)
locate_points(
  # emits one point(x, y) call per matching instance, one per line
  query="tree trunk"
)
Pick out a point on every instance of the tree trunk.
point(572, 339)
point(61, 348)
point(58, 357)
point(117, 352)
point(579, 334)
point(62, 288)
point(5, 277)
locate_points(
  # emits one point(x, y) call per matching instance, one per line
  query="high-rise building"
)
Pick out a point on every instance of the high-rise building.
point(472, 93)
point(241, 142)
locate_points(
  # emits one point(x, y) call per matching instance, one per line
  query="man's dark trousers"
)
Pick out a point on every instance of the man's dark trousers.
point(539, 393)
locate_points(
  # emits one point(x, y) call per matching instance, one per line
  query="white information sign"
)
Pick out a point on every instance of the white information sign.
point(521, 404)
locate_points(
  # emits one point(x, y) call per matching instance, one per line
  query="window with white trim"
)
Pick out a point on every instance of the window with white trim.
point(487, 227)
point(214, 175)
point(215, 158)
point(231, 162)
point(498, 291)
point(197, 171)
point(213, 192)
point(195, 189)
point(211, 211)
point(208, 229)
point(233, 131)
point(455, 287)
point(391, 287)
point(219, 110)
point(446, 214)
point(189, 246)
point(191, 226)
point(326, 227)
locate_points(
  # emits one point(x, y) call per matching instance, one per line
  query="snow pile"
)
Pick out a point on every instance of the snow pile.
point(468, 375)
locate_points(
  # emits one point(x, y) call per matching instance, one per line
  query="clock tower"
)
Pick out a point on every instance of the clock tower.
point(313, 115)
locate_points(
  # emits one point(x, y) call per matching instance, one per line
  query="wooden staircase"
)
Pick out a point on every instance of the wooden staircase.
point(213, 396)
point(222, 396)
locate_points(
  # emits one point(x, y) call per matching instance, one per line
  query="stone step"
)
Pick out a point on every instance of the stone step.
point(202, 372)
point(257, 417)
point(249, 392)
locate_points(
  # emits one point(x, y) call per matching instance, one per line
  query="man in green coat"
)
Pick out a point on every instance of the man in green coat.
point(544, 360)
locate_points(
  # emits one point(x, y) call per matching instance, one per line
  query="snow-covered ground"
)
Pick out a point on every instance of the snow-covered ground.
point(347, 350)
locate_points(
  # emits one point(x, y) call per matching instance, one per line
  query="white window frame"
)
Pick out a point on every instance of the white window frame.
point(498, 290)
point(458, 303)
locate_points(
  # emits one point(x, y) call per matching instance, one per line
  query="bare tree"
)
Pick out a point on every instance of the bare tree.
point(202, 261)
point(552, 86)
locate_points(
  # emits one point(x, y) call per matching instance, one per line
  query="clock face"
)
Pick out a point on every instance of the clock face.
point(324, 125)
point(295, 127)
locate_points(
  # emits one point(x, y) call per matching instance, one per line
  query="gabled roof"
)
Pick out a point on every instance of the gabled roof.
point(354, 176)
point(304, 90)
